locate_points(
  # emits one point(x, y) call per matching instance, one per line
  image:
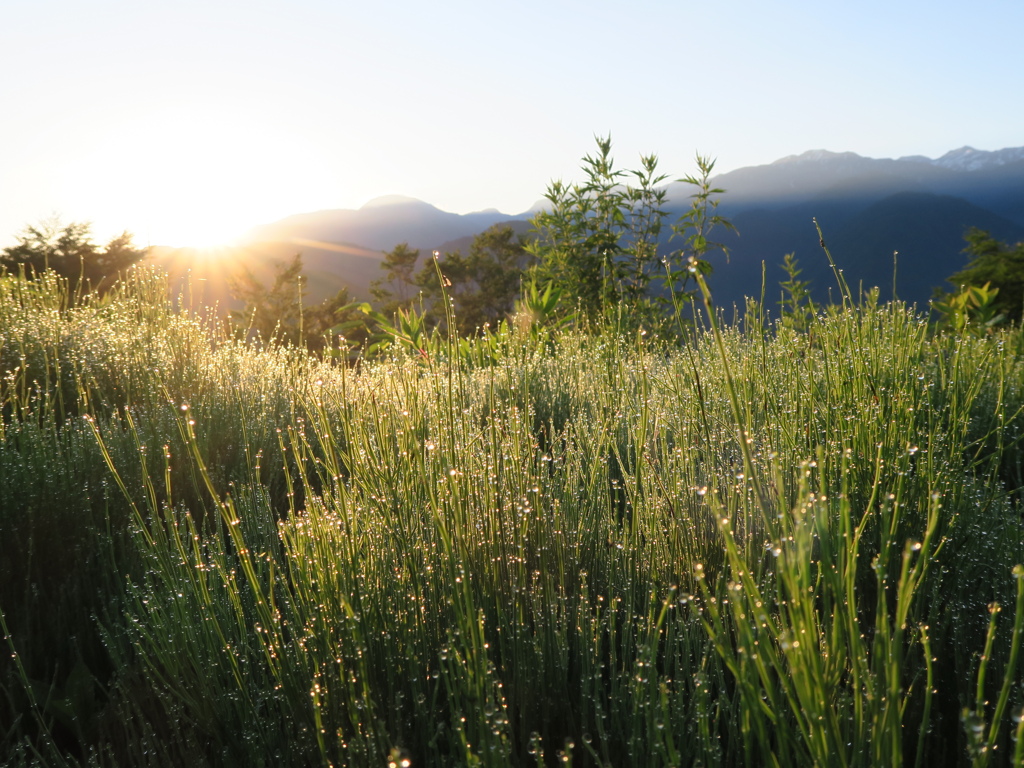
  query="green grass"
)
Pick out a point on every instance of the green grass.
point(761, 547)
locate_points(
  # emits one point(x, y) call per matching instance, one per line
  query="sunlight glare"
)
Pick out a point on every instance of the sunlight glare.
point(189, 179)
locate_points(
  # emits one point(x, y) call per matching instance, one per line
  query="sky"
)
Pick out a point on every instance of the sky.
point(187, 122)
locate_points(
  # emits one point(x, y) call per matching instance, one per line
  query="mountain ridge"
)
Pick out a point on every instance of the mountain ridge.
point(965, 159)
point(868, 207)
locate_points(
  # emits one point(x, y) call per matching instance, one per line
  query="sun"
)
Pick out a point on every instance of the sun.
point(189, 178)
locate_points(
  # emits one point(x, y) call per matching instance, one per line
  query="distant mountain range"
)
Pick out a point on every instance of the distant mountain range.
point(868, 209)
point(381, 224)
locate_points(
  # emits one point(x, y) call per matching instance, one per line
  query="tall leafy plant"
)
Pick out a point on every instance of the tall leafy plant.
point(602, 240)
point(598, 239)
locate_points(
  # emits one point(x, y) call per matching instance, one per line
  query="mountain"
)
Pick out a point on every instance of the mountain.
point(971, 159)
point(521, 227)
point(867, 208)
point(911, 239)
point(381, 224)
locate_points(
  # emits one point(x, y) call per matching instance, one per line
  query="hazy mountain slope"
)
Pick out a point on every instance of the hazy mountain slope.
point(521, 227)
point(766, 236)
point(381, 224)
point(926, 230)
point(852, 179)
point(204, 278)
point(867, 209)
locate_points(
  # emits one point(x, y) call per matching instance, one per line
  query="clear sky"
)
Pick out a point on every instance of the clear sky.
point(189, 121)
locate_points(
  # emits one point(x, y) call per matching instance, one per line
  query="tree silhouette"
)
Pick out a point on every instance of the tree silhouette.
point(395, 290)
point(484, 284)
point(68, 250)
point(278, 313)
point(274, 311)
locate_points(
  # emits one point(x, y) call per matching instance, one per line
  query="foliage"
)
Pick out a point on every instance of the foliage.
point(796, 304)
point(600, 241)
point(971, 310)
point(336, 326)
point(482, 286)
point(687, 264)
point(68, 250)
point(274, 311)
point(540, 311)
point(990, 289)
point(277, 313)
point(696, 225)
point(408, 329)
point(397, 288)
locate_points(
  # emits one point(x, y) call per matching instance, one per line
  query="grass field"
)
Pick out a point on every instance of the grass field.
point(753, 547)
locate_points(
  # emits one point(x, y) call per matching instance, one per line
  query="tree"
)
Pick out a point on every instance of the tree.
point(337, 324)
point(273, 312)
point(69, 251)
point(277, 312)
point(483, 285)
point(997, 270)
point(396, 289)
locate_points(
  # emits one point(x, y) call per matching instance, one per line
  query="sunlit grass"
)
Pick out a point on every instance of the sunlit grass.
point(588, 551)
